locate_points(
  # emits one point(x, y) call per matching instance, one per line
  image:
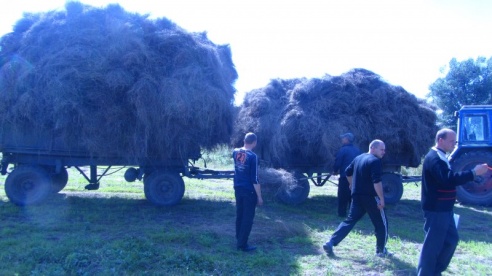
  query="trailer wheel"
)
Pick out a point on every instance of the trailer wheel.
point(297, 194)
point(59, 181)
point(392, 188)
point(164, 188)
point(478, 191)
point(28, 185)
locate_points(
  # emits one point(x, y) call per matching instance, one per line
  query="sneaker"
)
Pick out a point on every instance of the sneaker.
point(247, 248)
point(328, 247)
point(385, 253)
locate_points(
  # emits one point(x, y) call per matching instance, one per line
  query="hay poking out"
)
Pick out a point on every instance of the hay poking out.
point(298, 121)
point(274, 181)
point(111, 82)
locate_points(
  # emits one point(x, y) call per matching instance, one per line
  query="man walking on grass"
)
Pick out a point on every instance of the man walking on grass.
point(364, 177)
point(246, 190)
point(438, 196)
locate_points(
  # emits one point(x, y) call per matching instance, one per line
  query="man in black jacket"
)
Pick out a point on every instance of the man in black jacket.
point(438, 196)
point(344, 157)
point(364, 175)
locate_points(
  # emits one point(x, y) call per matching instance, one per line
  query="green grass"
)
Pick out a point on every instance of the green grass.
point(115, 231)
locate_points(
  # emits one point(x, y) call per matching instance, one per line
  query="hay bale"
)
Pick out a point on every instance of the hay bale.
point(274, 181)
point(298, 122)
point(116, 83)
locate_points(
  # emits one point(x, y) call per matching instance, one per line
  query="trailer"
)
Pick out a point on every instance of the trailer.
point(308, 172)
point(36, 166)
point(474, 146)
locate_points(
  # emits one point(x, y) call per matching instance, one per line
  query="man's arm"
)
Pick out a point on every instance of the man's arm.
point(349, 172)
point(338, 162)
point(379, 190)
point(258, 194)
point(256, 184)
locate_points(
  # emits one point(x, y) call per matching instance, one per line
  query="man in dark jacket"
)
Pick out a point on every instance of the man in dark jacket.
point(364, 175)
point(246, 190)
point(438, 196)
point(344, 157)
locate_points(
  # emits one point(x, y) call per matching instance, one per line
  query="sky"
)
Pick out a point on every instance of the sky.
point(408, 43)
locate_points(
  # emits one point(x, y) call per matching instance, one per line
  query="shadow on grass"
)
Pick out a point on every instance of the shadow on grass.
point(403, 268)
point(406, 219)
point(196, 229)
point(202, 231)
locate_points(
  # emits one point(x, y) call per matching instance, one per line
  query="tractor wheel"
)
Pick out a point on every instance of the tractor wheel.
point(478, 191)
point(164, 188)
point(28, 185)
point(297, 194)
point(59, 181)
point(392, 188)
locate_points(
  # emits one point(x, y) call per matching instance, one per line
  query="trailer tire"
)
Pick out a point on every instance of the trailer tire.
point(28, 185)
point(478, 191)
point(163, 188)
point(297, 194)
point(392, 188)
point(59, 181)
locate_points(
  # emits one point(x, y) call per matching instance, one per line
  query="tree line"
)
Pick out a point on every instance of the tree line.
point(467, 82)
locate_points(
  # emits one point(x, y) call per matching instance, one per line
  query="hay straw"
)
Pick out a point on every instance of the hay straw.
point(116, 83)
point(298, 122)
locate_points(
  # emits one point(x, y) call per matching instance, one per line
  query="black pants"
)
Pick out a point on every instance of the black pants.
point(441, 239)
point(343, 196)
point(246, 201)
point(362, 204)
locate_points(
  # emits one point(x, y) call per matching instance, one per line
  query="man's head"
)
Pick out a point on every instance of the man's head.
point(377, 148)
point(446, 139)
point(347, 138)
point(250, 140)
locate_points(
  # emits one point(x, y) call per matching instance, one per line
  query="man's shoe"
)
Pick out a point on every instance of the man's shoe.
point(385, 253)
point(328, 247)
point(247, 248)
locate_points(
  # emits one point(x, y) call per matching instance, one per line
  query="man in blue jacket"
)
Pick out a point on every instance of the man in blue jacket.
point(246, 190)
point(344, 157)
point(438, 196)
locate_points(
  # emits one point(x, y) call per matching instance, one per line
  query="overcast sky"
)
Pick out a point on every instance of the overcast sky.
point(405, 42)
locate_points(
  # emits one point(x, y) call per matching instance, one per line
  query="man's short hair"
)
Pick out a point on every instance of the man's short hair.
point(443, 133)
point(375, 144)
point(250, 138)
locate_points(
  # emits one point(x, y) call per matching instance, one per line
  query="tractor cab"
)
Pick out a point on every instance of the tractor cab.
point(474, 126)
point(474, 147)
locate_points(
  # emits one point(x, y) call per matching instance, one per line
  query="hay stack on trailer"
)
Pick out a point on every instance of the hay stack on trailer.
point(299, 121)
point(116, 83)
point(95, 87)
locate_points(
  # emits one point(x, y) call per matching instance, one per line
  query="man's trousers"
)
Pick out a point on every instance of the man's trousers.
point(246, 201)
point(343, 194)
point(362, 204)
point(441, 240)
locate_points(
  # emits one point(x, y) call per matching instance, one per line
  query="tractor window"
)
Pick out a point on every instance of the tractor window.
point(475, 128)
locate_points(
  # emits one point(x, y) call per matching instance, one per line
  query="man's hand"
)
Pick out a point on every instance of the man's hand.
point(379, 191)
point(257, 187)
point(260, 201)
point(481, 169)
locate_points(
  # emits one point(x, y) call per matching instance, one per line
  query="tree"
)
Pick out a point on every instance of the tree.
point(467, 82)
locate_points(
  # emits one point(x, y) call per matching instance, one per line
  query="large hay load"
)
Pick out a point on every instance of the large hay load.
point(114, 86)
point(116, 83)
point(299, 121)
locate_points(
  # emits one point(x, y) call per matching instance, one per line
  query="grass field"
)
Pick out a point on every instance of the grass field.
point(115, 231)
